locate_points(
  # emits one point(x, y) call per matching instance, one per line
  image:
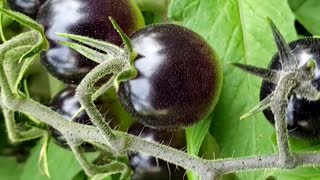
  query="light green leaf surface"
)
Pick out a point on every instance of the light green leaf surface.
point(61, 162)
point(238, 31)
point(9, 168)
point(195, 136)
point(300, 173)
point(308, 14)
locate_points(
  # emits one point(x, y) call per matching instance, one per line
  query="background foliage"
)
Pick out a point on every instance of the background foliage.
point(238, 31)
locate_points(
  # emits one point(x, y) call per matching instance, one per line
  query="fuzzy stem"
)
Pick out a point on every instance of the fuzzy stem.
point(97, 94)
point(189, 162)
point(92, 134)
point(211, 176)
point(85, 91)
point(279, 108)
point(27, 38)
point(92, 169)
point(103, 88)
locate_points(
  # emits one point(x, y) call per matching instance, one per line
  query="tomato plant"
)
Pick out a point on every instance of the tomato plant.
point(237, 31)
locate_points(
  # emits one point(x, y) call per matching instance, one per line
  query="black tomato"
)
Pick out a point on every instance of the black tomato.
point(87, 18)
point(67, 105)
point(27, 7)
point(147, 167)
point(303, 116)
point(179, 77)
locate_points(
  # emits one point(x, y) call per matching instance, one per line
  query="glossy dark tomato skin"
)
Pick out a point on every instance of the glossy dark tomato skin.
point(27, 7)
point(67, 105)
point(147, 167)
point(87, 18)
point(179, 77)
point(303, 117)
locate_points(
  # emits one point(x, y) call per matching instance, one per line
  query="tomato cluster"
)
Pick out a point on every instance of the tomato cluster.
point(178, 78)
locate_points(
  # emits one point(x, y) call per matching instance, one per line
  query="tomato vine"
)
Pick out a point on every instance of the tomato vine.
point(119, 62)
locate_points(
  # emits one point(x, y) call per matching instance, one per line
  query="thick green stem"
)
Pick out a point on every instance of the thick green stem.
point(189, 162)
point(211, 176)
point(279, 108)
point(85, 91)
point(103, 89)
point(92, 134)
point(27, 38)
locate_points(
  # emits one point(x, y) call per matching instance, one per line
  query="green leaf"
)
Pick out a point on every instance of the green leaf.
point(239, 32)
point(14, 69)
point(9, 168)
point(61, 162)
point(306, 12)
point(209, 148)
point(195, 137)
point(300, 173)
point(55, 85)
point(196, 134)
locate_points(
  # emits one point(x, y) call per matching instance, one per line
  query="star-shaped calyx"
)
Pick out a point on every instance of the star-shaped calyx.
point(299, 82)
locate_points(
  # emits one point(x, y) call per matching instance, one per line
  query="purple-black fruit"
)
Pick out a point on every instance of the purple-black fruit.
point(27, 7)
point(147, 167)
point(179, 77)
point(86, 18)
